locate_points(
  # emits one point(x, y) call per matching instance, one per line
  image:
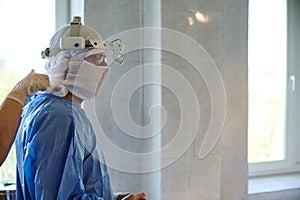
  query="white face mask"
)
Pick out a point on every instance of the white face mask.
point(85, 79)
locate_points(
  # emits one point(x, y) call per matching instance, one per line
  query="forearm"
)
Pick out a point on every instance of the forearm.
point(10, 111)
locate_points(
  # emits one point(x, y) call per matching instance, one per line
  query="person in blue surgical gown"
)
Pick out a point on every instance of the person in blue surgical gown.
point(58, 153)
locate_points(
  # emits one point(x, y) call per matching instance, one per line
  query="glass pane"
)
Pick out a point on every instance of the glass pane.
point(26, 28)
point(267, 80)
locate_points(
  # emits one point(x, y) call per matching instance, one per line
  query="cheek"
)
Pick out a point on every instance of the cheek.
point(91, 61)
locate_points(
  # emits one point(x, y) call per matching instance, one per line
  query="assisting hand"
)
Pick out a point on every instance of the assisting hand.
point(140, 196)
point(29, 85)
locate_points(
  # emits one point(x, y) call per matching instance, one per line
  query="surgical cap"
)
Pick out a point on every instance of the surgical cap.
point(57, 66)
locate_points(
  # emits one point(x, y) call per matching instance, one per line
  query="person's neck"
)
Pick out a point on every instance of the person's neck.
point(73, 98)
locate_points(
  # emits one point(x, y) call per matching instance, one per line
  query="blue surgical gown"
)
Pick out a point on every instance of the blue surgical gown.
point(58, 156)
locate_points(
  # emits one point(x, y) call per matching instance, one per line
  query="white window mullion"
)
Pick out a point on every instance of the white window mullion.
point(294, 76)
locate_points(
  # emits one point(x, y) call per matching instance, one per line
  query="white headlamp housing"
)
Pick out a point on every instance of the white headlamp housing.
point(74, 43)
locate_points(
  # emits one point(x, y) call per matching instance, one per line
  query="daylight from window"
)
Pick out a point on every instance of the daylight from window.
point(25, 31)
point(267, 80)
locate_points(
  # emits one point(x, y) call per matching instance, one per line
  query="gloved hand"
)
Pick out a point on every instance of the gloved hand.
point(29, 85)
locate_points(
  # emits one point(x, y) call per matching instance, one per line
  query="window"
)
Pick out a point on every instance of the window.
point(271, 124)
point(25, 31)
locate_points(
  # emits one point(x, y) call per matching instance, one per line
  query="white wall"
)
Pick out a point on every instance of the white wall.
point(222, 70)
point(223, 173)
point(129, 174)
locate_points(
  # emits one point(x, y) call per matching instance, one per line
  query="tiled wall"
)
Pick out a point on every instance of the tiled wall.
point(223, 173)
point(208, 58)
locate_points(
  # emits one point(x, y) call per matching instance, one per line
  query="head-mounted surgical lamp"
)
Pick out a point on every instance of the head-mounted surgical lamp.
point(77, 42)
